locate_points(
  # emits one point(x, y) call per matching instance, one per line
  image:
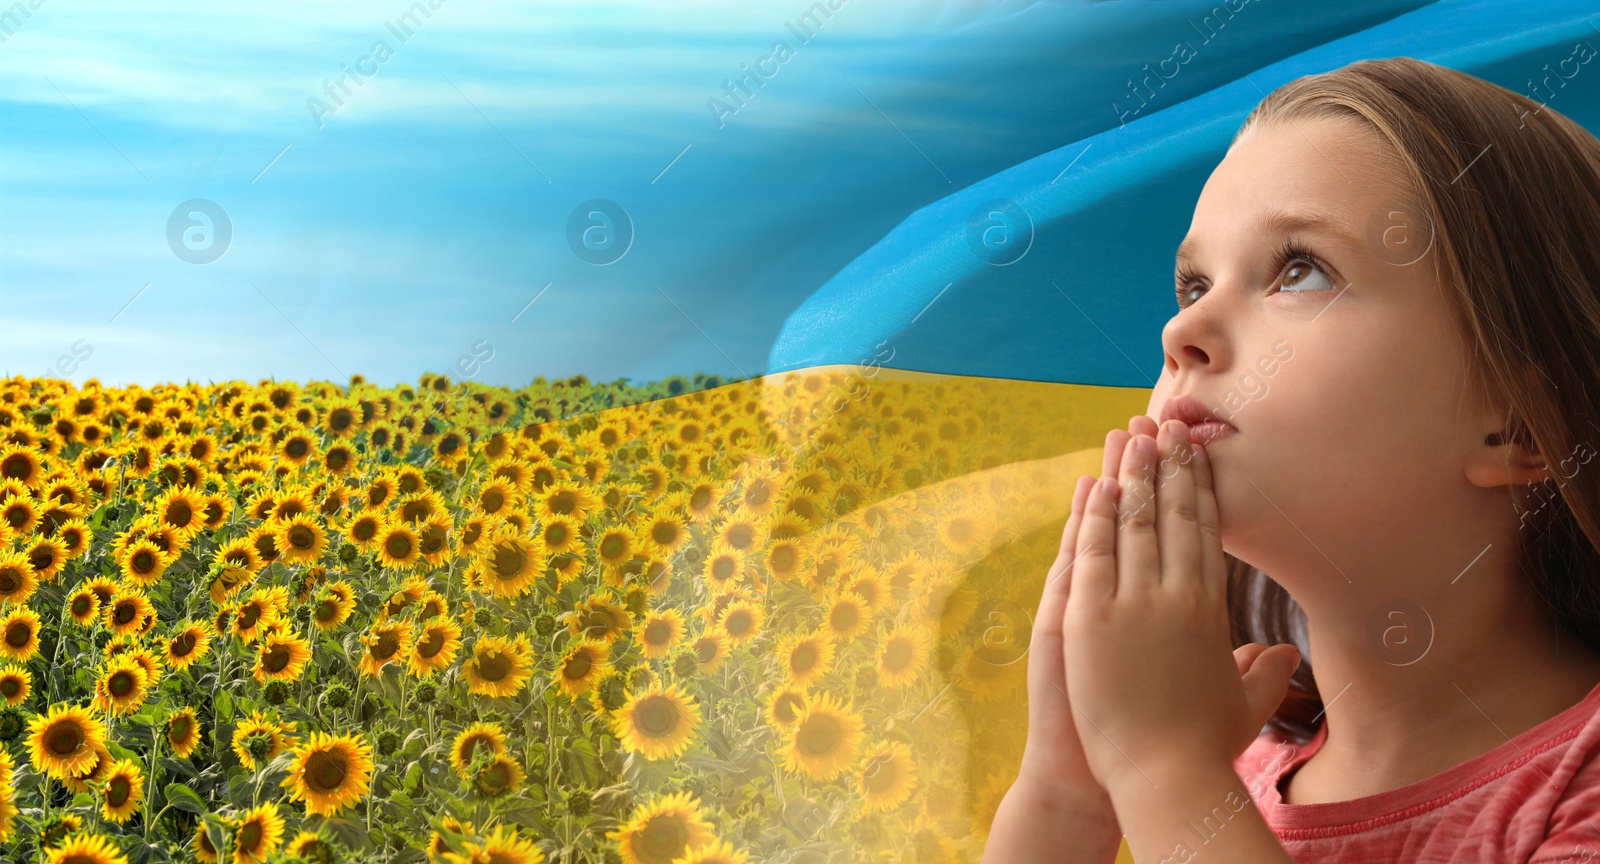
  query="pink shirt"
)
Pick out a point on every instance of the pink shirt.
point(1533, 799)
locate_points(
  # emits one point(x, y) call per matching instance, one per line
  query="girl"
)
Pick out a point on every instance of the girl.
point(1370, 444)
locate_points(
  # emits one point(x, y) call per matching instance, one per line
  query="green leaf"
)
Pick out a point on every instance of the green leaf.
point(224, 706)
point(186, 799)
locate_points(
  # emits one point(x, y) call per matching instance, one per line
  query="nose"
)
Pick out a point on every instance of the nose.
point(1192, 340)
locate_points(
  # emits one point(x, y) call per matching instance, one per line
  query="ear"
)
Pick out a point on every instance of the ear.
point(1507, 457)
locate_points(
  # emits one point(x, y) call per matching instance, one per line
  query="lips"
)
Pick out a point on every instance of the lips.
point(1204, 424)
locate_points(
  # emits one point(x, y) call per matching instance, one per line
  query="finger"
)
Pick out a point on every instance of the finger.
point(1094, 567)
point(1069, 543)
point(1245, 656)
point(1138, 555)
point(1213, 568)
point(1142, 424)
point(1177, 523)
point(1116, 439)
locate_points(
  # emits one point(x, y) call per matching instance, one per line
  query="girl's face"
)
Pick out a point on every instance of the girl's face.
point(1340, 369)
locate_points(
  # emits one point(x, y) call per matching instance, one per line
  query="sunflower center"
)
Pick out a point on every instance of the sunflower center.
point(143, 561)
point(656, 716)
point(557, 534)
point(819, 735)
point(705, 649)
point(432, 646)
point(663, 837)
point(326, 770)
point(387, 644)
point(81, 606)
point(804, 657)
point(178, 729)
point(248, 615)
point(121, 683)
point(118, 790)
point(509, 561)
point(398, 546)
point(302, 537)
point(179, 515)
point(494, 666)
point(783, 558)
point(657, 632)
point(327, 610)
point(577, 666)
point(664, 533)
point(845, 616)
point(364, 529)
point(880, 775)
point(722, 568)
point(737, 623)
point(496, 775)
point(182, 644)
point(562, 502)
point(18, 634)
point(9, 581)
point(10, 686)
point(276, 659)
point(250, 835)
point(65, 738)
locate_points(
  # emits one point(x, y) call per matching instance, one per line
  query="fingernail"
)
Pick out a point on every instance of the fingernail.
point(1180, 431)
point(1200, 453)
point(1109, 487)
point(1146, 445)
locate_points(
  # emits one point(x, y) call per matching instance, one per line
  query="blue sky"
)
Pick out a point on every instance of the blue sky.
point(429, 208)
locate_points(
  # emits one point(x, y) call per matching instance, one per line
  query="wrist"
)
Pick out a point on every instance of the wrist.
point(1049, 822)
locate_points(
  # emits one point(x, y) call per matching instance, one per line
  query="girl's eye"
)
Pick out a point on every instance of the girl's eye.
point(1301, 273)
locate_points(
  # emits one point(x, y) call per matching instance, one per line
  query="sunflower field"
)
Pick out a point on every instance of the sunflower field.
point(781, 619)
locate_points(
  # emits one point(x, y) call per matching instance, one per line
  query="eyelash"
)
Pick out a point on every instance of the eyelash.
point(1290, 250)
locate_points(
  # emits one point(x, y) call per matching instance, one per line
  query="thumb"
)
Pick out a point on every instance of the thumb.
point(1266, 682)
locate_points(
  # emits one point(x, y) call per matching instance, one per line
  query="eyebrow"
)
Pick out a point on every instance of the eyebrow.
point(1311, 220)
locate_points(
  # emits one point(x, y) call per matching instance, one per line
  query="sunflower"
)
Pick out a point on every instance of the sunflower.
point(715, 852)
point(902, 654)
point(230, 578)
point(471, 742)
point(501, 775)
point(658, 722)
point(188, 645)
point(363, 527)
point(301, 540)
point(122, 687)
point(784, 706)
point(665, 533)
point(886, 777)
point(724, 566)
point(741, 621)
point(123, 791)
point(805, 657)
point(281, 657)
point(19, 634)
point(83, 606)
point(566, 499)
point(17, 579)
point(435, 648)
point(329, 772)
point(127, 611)
point(310, 846)
point(62, 741)
point(21, 463)
point(823, 741)
point(338, 600)
point(258, 724)
point(86, 849)
point(15, 684)
point(258, 611)
point(710, 650)
point(510, 563)
point(560, 534)
point(663, 830)
point(398, 545)
point(20, 514)
point(183, 731)
point(585, 662)
point(615, 546)
point(962, 532)
point(8, 804)
point(385, 643)
point(501, 847)
point(660, 632)
point(258, 831)
point(92, 773)
point(144, 563)
point(180, 509)
point(847, 616)
point(499, 667)
point(433, 539)
point(202, 846)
